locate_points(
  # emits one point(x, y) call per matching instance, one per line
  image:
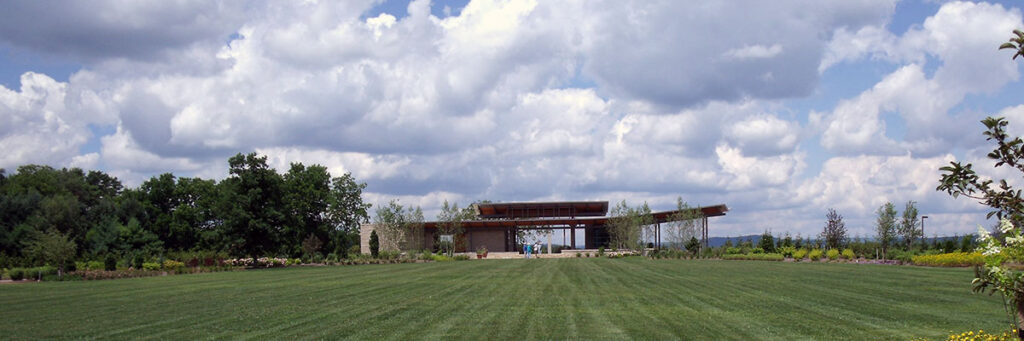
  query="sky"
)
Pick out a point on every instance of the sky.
point(780, 110)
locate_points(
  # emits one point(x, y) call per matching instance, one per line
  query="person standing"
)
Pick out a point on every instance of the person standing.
point(527, 249)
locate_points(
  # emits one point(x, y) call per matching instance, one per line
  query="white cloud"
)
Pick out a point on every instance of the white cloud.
point(755, 51)
point(962, 37)
point(35, 126)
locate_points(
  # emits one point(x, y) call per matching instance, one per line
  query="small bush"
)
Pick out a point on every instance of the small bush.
point(832, 254)
point(440, 258)
point(733, 251)
point(578, 255)
point(16, 274)
point(600, 251)
point(787, 251)
point(461, 257)
point(800, 254)
point(109, 263)
point(953, 259)
point(40, 272)
point(173, 265)
point(814, 255)
point(148, 266)
point(848, 254)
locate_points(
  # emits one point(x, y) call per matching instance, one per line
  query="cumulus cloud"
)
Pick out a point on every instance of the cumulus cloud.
point(962, 36)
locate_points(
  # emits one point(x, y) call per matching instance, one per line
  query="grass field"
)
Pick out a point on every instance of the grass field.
point(514, 299)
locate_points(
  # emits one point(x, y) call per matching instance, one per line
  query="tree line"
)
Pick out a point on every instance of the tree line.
point(254, 212)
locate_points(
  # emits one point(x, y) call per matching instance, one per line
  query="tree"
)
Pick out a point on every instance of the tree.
point(683, 224)
point(310, 245)
point(52, 247)
point(450, 223)
point(251, 206)
point(346, 211)
point(834, 233)
point(885, 227)
point(307, 192)
point(909, 228)
point(626, 226)
point(767, 242)
point(400, 228)
point(1006, 203)
point(374, 244)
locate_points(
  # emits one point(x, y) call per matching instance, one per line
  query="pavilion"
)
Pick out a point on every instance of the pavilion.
point(497, 224)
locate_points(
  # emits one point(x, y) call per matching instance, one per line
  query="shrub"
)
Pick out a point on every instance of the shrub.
point(440, 258)
point(16, 274)
point(814, 255)
point(953, 259)
point(787, 251)
point(578, 255)
point(848, 254)
point(109, 263)
point(832, 254)
point(174, 265)
point(756, 256)
point(148, 266)
point(353, 251)
point(800, 254)
point(733, 250)
point(600, 251)
point(138, 262)
point(461, 257)
point(40, 272)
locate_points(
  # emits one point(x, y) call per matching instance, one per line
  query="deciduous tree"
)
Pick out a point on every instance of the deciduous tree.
point(885, 227)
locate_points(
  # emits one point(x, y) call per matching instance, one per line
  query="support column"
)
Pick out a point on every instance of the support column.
point(657, 236)
point(572, 236)
point(549, 241)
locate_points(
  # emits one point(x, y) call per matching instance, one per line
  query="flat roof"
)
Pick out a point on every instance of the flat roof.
point(553, 209)
point(659, 217)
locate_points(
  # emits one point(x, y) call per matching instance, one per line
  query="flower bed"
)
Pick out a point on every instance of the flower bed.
point(954, 259)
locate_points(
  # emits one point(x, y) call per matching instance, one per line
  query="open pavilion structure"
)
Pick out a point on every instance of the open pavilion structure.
point(497, 225)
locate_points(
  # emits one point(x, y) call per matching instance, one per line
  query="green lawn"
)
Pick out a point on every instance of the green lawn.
point(514, 299)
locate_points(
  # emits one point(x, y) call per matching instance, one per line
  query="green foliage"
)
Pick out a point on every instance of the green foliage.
point(885, 226)
point(16, 274)
point(848, 254)
point(52, 247)
point(627, 226)
point(110, 262)
point(399, 227)
point(767, 242)
point(756, 256)
point(151, 266)
point(814, 255)
point(954, 259)
point(787, 251)
point(800, 254)
point(683, 226)
point(832, 254)
point(910, 226)
point(374, 244)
